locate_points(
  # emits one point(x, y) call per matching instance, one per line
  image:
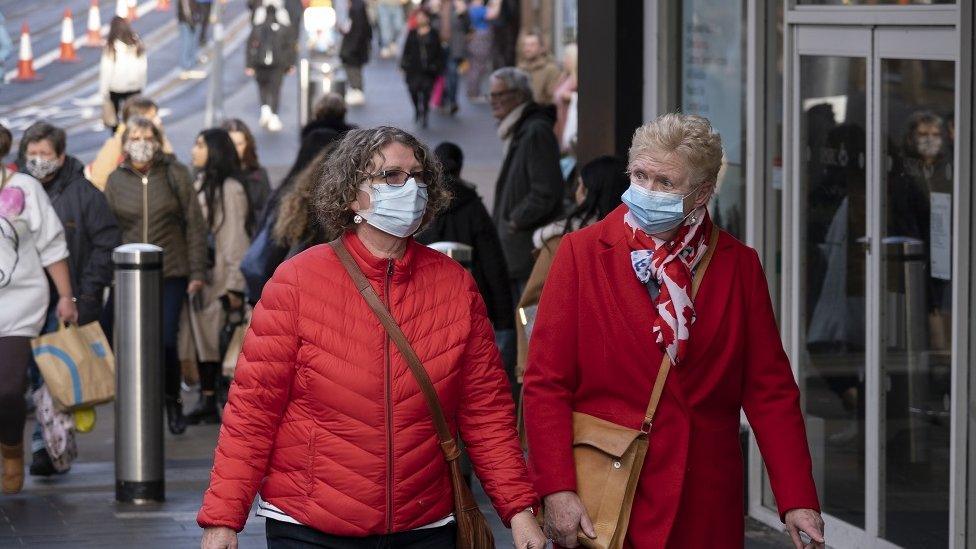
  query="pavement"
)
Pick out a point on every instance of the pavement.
point(78, 509)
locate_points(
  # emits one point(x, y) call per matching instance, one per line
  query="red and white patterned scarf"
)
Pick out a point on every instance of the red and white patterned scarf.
point(671, 265)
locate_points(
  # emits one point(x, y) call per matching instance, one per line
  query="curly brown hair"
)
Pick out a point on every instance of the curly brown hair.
point(344, 172)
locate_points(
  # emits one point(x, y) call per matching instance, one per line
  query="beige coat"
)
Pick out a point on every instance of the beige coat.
point(544, 76)
point(200, 335)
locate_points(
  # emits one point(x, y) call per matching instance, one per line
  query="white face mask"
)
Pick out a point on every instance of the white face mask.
point(929, 145)
point(398, 211)
point(42, 168)
point(140, 151)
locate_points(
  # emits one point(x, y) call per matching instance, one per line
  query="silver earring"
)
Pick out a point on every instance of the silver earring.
point(357, 219)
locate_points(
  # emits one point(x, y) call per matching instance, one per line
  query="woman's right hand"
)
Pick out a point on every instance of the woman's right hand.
point(218, 538)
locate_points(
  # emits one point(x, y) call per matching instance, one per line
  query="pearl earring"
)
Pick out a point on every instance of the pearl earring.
point(357, 219)
point(694, 219)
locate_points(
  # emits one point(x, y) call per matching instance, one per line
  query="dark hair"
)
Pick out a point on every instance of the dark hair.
point(331, 106)
point(605, 180)
point(6, 140)
point(137, 105)
point(222, 163)
point(312, 144)
point(120, 30)
point(249, 160)
point(451, 157)
point(40, 131)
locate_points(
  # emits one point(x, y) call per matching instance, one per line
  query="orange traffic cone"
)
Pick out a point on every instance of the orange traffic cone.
point(162, 5)
point(25, 65)
point(68, 54)
point(131, 14)
point(94, 34)
point(122, 8)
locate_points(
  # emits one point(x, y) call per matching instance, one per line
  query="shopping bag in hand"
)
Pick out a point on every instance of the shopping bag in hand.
point(77, 365)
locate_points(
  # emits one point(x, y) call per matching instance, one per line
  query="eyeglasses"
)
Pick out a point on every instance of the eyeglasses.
point(398, 178)
point(499, 95)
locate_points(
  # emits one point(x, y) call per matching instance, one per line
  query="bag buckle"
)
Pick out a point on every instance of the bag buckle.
point(646, 426)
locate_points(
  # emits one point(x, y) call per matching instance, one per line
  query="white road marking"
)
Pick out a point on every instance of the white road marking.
point(51, 56)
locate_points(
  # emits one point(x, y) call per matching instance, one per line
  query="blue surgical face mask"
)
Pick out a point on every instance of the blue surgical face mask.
point(656, 212)
point(396, 210)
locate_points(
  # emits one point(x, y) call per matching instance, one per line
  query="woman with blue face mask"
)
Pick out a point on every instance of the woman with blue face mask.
point(326, 417)
point(657, 300)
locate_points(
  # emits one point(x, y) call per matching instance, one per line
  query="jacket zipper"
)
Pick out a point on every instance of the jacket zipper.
point(389, 410)
point(145, 208)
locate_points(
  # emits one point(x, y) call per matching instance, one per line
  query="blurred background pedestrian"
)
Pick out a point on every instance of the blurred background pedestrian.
point(357, 35)
point(253, 175)
point(422, 63)
point(154, 201)
point(124, 69)
point(272, 50)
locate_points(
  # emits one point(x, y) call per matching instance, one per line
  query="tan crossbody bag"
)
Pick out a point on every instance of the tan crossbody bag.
point(473, 531)
point(609, 457)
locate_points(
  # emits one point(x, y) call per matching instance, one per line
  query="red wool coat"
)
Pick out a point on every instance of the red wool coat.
point(592, 351)
point(326, 419)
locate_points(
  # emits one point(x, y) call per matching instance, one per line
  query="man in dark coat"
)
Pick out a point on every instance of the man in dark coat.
point(529, 189)
point(89, 225)
point(466, 220)
point(90, 230)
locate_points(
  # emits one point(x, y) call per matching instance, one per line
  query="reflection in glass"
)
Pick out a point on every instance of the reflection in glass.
point(832, 274)
point(871, 2)
point(713, 42)
point(917, 140)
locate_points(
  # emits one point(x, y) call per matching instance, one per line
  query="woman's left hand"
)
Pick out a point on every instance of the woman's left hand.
point(808, 522)
point(67, 310)
point(526, 532)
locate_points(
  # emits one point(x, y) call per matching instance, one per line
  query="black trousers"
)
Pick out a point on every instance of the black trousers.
point(15, 356)
point(420, 85)
point(284, 535)
point(118, 100)
point(269, 85)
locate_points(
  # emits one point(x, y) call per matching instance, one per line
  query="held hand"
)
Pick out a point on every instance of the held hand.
point(67, 310)
point(218, 538)
point(565, 517)
point(194, 287)
point(526, 532)
point(810, 523)
point(234, 301)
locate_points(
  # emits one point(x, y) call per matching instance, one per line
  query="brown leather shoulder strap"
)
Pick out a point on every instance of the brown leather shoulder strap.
point(662, 373)
point(444, 437)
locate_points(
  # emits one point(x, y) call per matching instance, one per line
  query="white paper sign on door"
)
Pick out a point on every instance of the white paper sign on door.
point(940, 233)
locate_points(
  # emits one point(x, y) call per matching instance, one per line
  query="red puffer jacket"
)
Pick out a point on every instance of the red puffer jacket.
point(326, 419)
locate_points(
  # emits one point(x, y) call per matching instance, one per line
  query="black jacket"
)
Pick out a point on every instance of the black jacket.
point(529, 189)
point(354, 50)
point(91, 232)
point(467, 221)
point(340, 126)
point(423, 55)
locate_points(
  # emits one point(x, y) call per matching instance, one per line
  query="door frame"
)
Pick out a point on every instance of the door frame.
point(874, 44)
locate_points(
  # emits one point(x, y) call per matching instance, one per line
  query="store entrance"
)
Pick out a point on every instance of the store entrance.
point(873, 137)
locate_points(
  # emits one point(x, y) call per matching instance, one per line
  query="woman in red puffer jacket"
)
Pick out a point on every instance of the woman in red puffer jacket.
point(325, 418)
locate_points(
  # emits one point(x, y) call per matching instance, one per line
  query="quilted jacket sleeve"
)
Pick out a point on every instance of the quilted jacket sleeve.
point(255, 405)
point(486, 418)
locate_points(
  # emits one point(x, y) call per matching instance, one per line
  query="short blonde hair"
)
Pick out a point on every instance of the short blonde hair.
point(690, 136)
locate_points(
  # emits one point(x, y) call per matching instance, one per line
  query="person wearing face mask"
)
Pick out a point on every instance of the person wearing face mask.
point(32, 244)
point(91, 233)
point(154, 201)
point(657, 324)
point(110, 155)
point(320, 383)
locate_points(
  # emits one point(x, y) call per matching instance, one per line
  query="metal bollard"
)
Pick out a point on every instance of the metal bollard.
point(139, 470)
point(462, 253)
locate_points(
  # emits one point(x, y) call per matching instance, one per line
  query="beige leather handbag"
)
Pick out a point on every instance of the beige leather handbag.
point(609, 457)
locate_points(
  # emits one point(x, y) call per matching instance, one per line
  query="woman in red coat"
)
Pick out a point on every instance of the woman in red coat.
point(325, 418)
point(618, 298)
